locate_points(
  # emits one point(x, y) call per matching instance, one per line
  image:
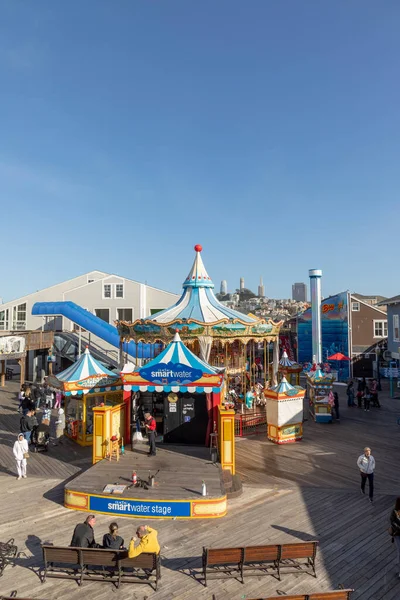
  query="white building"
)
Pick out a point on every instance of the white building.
point(107, 296)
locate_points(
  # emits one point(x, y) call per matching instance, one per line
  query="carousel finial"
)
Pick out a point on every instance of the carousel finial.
point(198, 247)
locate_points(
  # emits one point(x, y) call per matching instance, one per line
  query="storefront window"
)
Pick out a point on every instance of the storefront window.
point(91, 402)
point(74, 416)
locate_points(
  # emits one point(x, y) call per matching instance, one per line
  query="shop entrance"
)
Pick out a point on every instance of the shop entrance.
point(185, 418)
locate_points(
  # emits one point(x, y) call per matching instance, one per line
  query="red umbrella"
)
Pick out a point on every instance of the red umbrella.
point(338, 356)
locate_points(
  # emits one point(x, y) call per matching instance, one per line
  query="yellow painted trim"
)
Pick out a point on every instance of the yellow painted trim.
point(210, 502)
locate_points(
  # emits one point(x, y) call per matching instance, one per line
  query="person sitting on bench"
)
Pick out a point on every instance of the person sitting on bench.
point(83, 536)
point(111, 540)
point(148, 541)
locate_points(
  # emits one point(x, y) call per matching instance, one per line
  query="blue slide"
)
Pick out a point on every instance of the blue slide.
point(86, 320)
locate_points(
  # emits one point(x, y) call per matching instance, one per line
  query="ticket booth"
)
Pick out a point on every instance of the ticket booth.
point(181, 391)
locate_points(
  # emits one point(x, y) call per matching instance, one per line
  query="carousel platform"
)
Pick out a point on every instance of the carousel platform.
point(176, 493)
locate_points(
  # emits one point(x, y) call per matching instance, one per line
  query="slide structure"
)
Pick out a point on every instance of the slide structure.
point(86, 320)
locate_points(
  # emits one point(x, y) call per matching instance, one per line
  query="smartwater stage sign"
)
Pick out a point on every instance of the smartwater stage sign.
point(170, 373)
point(130, 508)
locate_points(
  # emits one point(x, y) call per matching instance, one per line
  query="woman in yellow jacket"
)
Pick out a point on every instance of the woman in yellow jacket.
point(148, 541)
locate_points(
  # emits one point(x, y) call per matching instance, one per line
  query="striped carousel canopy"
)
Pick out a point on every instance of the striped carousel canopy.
point(283, 387)
point(88, 375)
point(285, 360)
point(175, 369)
point(198, 301)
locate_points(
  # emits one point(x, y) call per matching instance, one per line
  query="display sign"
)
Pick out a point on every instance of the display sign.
point(131, 508)
point(170, 373)
point(172, 407)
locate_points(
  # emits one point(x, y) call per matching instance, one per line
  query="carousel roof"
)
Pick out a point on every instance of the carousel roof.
point(83, 368)
point(177, 353)
point(198, 301)
point(176, 369)
point(285, 360)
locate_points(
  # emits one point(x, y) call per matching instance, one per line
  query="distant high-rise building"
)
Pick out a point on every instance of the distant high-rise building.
point(299, 292)
point(261, 289)
point(224, 287)
point(241, 284)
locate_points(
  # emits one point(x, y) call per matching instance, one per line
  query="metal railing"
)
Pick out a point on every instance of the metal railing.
point(251, 424)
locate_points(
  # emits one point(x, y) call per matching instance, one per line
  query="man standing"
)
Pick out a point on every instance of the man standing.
point(83, 536)
point(366, 464)
point(27, 424)
point(151, 425)
point(148, 541)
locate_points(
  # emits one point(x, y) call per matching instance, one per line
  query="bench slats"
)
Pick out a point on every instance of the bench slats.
point(89, 564)
point(253, 559)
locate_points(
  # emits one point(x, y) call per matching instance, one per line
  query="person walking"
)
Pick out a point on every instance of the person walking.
point(395, 529)
point(21, 397)
point(111, 540)
point(350, 394)
point(21, 452)
point(58, 399)
point(366, 464)
point(148, 541)
point(151, 425)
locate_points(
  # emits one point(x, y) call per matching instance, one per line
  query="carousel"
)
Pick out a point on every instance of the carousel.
point(86, 385)
point(222, 337)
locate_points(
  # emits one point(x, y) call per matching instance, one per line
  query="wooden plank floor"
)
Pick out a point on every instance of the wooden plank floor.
point(179, 474)
point(303, 491)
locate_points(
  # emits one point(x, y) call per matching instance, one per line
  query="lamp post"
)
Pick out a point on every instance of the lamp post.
point(378, 356)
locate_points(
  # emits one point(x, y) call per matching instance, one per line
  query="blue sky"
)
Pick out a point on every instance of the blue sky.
point(269, 132)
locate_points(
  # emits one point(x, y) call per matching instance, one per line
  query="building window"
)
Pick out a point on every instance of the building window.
point(355, 306)
point(107, 290)
point(119, 290)
point(103, 314)
point(380, 329)
point(19, 317)
point(4, 319)
point(396, 332)
point(125, 314)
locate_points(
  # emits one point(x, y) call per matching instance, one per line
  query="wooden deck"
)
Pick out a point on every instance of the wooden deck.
point(180, 471)
point(308, 490)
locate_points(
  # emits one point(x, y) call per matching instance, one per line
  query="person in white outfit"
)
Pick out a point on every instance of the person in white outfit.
point(366, 464)
point(19, 450)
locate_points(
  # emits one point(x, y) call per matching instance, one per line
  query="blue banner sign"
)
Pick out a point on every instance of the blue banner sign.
point(169, 373)
point(136, 508)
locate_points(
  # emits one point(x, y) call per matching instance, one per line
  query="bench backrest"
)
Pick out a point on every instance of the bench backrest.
point(61, 554)
point(254, 554)
point(98, 556)
point(299, 550)
point(335, 595)
point(223, 556)
point(145, 560)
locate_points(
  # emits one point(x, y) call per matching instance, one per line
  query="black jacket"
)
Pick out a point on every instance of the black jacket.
point(395, 522)
point(27, 423)
point(83, 537)
point(110, 542)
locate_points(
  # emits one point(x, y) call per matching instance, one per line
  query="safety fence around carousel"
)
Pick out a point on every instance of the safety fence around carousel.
point(251, 424)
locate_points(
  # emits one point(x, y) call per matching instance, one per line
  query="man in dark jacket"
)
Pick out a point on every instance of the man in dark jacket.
point(83, 536)
point(27, 423)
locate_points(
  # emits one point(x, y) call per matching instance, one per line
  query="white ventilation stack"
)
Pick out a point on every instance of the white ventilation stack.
point(315, 290)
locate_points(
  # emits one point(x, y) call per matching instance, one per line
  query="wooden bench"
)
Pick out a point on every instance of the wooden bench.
point(96, 564)
point(334, 595)
point(259, 560)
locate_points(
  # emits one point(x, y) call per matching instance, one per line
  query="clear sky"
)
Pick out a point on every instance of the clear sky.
point(267, 131)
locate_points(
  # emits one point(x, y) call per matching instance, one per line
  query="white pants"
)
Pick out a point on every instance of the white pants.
point(21, 467)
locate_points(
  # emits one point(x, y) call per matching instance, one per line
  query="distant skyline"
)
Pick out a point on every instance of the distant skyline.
point(130, 131)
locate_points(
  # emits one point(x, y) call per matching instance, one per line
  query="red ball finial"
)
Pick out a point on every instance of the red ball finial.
point(198, 248)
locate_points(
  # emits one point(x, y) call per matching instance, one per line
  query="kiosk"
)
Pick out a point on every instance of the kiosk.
point(285, 412)
point(319, 385)
point(87, 384)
